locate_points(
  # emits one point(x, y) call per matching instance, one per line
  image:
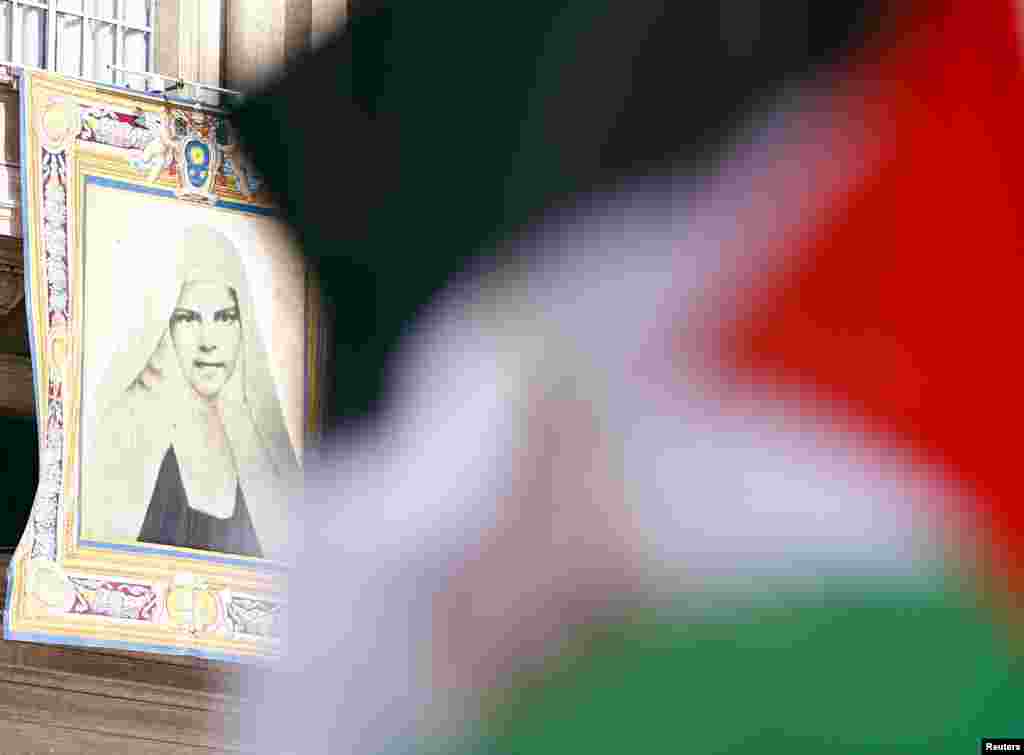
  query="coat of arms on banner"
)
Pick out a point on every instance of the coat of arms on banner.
point(198, 161)
point(197, 148)
point(176, 341)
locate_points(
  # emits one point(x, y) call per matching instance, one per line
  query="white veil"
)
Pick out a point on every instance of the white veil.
point(140, 395)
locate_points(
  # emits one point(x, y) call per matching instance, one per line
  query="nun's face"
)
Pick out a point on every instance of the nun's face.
point(207, 334)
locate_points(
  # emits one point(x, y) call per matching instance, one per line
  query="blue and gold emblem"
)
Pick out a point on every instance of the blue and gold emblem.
point(198, 159)
point(197, 162)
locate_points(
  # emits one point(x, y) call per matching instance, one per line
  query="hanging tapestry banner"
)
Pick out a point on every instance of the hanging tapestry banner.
point(176, 345)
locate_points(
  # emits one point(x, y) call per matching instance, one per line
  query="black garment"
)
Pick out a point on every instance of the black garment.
point(171, 521)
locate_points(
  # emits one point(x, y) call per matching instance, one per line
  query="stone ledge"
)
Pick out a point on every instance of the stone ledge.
point(133, 702)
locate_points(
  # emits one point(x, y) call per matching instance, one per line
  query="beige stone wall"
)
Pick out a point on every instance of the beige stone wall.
point(262, 35)
point(167, 38)
point(189, 40)
point(254, 40)
point(199, 40)
point(328, 15)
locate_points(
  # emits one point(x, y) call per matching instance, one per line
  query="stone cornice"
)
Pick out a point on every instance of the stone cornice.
point(16, 390)
point(113, 701)
point(12, 275)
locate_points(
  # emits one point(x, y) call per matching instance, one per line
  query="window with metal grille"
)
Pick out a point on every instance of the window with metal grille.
point(81, 37)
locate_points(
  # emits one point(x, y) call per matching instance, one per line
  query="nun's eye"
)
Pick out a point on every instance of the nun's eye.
point(226, 315)
point(182, 316)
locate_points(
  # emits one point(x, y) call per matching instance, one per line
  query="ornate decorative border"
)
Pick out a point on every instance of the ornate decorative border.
point(61, 591)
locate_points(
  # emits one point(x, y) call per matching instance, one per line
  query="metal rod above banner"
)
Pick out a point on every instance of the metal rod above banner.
point(180, 82)
point(160, 96)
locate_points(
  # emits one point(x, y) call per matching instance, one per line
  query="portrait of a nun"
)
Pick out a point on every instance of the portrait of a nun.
point(190, 446)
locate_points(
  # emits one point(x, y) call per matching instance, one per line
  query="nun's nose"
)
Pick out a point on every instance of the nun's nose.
point(206, 344)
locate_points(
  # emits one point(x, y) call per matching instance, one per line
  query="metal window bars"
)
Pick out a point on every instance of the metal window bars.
point(80, 38)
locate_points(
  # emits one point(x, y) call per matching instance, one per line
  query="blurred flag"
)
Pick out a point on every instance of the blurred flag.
point(899, 310)
point(711, 462)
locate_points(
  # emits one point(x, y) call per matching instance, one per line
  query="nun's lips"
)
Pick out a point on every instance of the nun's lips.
point(200, 364)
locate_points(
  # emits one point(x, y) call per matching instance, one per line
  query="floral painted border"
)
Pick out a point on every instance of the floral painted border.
point(47, 508)
point(113, 599)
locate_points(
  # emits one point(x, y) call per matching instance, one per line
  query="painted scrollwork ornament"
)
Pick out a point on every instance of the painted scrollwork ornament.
point(59, 124)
